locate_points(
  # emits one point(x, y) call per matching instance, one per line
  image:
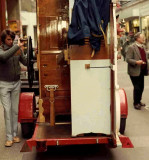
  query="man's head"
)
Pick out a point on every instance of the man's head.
point(7, 37)
point(139, 37)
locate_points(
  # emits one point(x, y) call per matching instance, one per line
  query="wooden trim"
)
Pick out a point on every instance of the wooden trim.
point(38, 47)
point(84, 52)
point(112, 62)
point(52, 108)
point(41, 110)
point(111, 34)
point(51, 52)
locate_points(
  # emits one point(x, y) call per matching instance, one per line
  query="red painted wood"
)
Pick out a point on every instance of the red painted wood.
point(77, 141)
point(26, 107)
point(35, 132)
point(126, 142)
point(123, 103)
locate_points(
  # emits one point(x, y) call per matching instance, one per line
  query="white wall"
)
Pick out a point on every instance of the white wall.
point(71, 2)
point(140, 9)
point(29, 19)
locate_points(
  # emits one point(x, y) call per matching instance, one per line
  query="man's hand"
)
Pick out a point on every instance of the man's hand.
point(140, 62)
point(20, 44)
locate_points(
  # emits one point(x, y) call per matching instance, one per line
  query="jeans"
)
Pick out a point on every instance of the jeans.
point(9, 95)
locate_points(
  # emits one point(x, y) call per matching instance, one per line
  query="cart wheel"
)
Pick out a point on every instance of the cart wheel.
point(27, 129)
point(122, 125)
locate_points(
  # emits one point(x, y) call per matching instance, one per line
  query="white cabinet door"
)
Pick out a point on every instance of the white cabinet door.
point(90, 97)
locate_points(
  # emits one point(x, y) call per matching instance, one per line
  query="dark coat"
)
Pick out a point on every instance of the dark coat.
point(133, 55)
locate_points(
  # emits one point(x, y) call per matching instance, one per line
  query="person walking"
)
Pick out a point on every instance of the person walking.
point(124, 43)
point(131, 37)
point(10, 56)
point(129, 41)
point(136, 58)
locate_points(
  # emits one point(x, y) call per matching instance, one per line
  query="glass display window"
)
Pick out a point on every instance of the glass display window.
point(145, 29)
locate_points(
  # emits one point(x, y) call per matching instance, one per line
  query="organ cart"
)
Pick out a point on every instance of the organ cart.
point(79, 100)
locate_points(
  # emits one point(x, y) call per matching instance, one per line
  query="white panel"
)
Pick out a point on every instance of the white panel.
point(135, 12)
point(137, 8)
point(115, 1)
point(114, 67)
point(71, 3)
point(90, 97)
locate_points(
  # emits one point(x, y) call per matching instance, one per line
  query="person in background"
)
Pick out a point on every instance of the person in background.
point(131, 37)
point(136, 58)
point(10, 56)
point(119, 34)
point(124, 43)
point(129, 40)
point(120, 29)
point(124, 38)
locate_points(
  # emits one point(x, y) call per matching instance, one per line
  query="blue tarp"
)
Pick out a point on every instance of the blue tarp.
point(87, 16)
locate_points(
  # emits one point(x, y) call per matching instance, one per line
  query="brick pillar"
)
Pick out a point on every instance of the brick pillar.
point(2, 15)
point(13, 9)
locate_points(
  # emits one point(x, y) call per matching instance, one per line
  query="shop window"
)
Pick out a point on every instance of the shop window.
point(145, 29)
point(133, 25)
point(24, 31)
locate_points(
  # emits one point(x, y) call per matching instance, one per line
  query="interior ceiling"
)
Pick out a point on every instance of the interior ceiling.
point(123, 2)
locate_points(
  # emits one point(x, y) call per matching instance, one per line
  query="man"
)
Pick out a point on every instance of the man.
point(137, 67)
point(10, 56)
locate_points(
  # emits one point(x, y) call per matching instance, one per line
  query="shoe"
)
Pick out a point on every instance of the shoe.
point(8, 143)
point(137, 106)
point(142, 104)
point(16, 140)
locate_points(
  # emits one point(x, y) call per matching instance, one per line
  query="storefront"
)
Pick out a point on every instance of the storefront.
point(145, 28)
point(132, 25)
point(136, 16)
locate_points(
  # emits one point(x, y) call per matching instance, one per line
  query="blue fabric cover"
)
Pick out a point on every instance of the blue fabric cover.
point(87, 16)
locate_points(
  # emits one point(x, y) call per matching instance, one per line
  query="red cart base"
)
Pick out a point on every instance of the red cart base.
point(126, 143)
point(45, 136)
